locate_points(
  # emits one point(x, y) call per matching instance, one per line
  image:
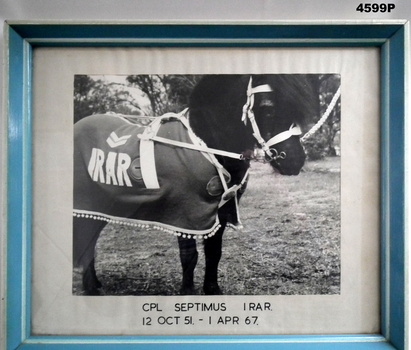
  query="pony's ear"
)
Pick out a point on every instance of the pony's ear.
point(258, 79)
point(244, 79)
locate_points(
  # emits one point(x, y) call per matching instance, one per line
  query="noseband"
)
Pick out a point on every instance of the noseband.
point(270, 152)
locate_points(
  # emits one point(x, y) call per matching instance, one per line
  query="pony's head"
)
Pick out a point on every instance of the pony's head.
point(273, 111)
point(237, 112)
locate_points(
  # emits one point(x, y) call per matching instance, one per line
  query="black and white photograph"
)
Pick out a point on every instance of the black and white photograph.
point(206, 184)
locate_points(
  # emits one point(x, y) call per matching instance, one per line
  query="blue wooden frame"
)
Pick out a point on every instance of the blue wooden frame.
point(21, 38)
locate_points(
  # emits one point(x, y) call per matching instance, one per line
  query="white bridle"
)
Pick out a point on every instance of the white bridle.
point(294, 129)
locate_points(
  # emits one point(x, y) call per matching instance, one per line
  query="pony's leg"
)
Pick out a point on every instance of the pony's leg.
point(188, 258)
point(85, 235)
point(212, 251)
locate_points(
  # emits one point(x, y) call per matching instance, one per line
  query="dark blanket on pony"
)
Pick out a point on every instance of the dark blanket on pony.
point(109, 185)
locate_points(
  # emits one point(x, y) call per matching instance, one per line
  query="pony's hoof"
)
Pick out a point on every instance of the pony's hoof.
point(187, 290)
point(212, 289)
point(92, 287)
point(92, 291)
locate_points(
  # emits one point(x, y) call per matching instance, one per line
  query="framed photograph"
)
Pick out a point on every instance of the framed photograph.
point(132, 148)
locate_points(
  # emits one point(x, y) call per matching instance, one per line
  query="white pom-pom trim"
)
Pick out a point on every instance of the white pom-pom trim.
point(149, 226)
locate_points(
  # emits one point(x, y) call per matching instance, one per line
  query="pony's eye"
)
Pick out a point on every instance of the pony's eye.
point(266, 103)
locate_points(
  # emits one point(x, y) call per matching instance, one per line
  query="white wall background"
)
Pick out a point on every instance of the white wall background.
point(177, 10)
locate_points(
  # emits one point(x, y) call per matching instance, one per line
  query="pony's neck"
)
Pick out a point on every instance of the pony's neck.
point(216, 110)
point(220, 130)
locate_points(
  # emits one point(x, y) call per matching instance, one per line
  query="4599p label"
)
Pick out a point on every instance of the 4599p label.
point(374, 7)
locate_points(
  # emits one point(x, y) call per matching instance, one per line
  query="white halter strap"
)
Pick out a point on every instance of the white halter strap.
point(294, 129)
point(248, 107)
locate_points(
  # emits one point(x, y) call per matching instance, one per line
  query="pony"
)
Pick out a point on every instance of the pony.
point(189, 184)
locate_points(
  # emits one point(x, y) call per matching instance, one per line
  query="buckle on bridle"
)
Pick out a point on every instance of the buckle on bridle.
point(272, 154)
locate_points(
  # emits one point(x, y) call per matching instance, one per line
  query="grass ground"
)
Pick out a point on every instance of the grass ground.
point(290, 243)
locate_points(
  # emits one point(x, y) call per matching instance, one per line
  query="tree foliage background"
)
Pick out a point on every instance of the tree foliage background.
point(160, 94)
